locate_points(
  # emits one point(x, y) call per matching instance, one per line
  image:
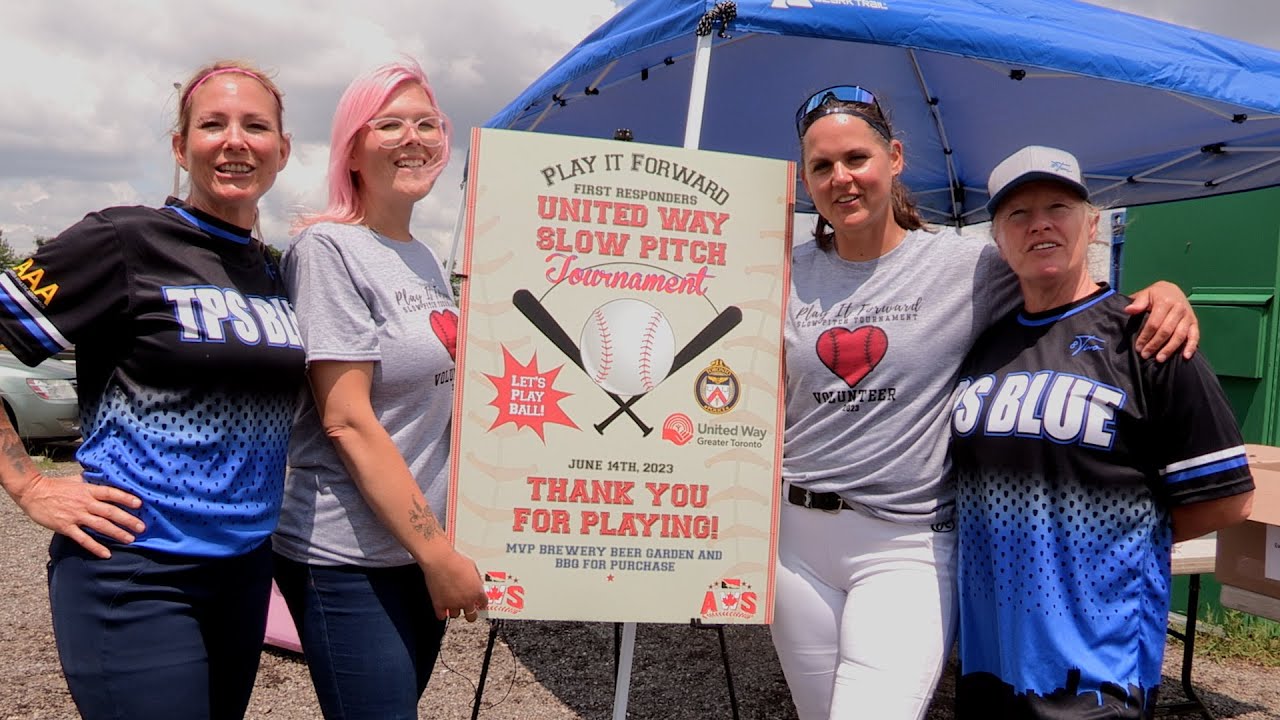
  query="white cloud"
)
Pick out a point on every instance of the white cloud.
point(1255, 21)
point(90, 100)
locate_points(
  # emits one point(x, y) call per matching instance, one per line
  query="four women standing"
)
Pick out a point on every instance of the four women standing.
point(189, 359)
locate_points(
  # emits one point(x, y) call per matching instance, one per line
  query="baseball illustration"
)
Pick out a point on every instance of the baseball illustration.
point(627, 346)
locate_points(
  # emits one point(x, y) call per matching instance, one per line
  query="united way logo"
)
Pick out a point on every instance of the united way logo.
point(717, 389)
point(678, 429)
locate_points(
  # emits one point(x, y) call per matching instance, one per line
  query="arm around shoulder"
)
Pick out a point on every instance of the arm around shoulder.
point(1171, 323)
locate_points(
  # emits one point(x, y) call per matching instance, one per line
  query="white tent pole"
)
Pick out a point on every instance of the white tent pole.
point(692, 136)
point(698, 92)
point(457, 237)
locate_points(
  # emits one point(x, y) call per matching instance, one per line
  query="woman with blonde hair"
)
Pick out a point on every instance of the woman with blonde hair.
point(188, 365)
point(1078, 464)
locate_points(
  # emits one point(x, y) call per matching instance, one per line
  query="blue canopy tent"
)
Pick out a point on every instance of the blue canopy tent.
point(1154, 111)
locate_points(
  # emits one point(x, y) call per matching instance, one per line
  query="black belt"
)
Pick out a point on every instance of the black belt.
point(830, 502)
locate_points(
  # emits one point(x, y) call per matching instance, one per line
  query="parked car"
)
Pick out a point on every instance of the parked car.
point(40, 401)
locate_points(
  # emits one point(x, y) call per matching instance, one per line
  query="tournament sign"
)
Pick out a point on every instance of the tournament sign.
point(616, 434)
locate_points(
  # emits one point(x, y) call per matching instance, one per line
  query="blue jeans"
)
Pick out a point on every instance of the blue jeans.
point(147, 635)
point(369, 635)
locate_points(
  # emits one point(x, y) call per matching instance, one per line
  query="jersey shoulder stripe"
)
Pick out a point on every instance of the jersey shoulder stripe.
point(14, 299)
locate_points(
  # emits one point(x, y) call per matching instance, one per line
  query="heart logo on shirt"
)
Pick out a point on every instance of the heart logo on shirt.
point(852, 354)
point(444, 323)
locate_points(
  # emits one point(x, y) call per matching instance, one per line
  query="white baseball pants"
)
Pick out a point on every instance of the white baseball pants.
point(865, 613)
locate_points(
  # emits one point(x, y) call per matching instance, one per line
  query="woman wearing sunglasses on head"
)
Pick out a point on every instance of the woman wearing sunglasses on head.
point(882, 312)
point(362, 559)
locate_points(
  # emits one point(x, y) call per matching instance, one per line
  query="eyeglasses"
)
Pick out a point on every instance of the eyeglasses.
point(392, 131)
point(836, 94)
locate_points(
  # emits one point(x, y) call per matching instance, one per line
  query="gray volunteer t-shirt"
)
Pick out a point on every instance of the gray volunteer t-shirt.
point(360, 296)
point(873, 349)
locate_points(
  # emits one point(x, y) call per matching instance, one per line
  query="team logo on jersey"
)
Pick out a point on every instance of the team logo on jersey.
point(729, 598)
point(678, 429)
point(1086, 343)
point(33, 278)
point(852, 354)
point(444, 323)
point(717, 389)
point(505, 593)
point(209, 314)
point(1065, 408)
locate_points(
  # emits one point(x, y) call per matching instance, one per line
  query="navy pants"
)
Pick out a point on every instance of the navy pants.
point(146, 635)
point(369, 635)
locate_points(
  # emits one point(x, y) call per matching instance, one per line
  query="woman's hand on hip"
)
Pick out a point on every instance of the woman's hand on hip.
point(69, 505)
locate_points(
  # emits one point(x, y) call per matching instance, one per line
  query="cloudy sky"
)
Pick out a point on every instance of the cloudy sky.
point(89, 98)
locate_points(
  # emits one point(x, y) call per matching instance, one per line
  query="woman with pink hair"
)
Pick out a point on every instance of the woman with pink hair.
point(361, 558)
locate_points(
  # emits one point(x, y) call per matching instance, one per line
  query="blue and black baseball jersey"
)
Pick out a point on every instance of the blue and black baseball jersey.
point(1070, 451)
point(188, 364)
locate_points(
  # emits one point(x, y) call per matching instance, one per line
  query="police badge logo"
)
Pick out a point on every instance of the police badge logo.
point(717, 388)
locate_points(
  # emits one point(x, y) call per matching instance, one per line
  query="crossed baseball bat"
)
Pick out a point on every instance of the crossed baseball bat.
point(536, 312)
point(719, 326)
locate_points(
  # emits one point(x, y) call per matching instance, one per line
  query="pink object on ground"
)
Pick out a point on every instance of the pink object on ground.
point(280, 630)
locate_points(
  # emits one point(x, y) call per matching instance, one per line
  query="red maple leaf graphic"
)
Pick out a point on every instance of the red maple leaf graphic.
point(494, 593)
point(526, 396)
point(730, 600)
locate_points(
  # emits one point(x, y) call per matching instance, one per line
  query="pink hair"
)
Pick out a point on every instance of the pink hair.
point(359, 104)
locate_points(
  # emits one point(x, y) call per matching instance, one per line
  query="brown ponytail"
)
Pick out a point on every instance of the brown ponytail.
point(905, 212)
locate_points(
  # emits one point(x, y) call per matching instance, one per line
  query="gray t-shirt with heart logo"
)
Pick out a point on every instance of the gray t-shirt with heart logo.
point(363, 297)
point(872, 351)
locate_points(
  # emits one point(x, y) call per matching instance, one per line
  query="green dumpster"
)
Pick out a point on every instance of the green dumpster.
point(1224, 252)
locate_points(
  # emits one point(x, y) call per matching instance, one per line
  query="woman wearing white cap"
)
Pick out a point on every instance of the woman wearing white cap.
point(1078, 462)
point(881, 314)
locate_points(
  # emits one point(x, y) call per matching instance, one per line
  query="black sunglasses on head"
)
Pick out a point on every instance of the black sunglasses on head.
point(831, 101)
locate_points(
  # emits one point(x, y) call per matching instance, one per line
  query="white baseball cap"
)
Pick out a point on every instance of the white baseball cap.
point(1034, 162)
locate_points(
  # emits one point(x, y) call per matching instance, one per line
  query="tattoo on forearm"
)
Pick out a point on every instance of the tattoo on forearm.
point(16, 466)
point(424, 523)
point(14, 451)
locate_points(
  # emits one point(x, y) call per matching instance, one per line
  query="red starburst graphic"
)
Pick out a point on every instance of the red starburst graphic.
point(526, 396)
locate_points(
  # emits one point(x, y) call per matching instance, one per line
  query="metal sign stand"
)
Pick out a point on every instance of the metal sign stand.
point(625, 633)
point(622, 674)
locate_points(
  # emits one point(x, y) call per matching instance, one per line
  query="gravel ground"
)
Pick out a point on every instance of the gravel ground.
point(540, 671)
